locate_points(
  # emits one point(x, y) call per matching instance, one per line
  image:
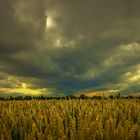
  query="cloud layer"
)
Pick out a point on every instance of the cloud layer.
point(65, 47)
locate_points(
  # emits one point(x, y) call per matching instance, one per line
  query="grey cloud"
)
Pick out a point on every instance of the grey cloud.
point(97, 29)
point(17, 35)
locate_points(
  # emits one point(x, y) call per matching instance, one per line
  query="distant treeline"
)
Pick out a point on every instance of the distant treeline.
point(82, 96)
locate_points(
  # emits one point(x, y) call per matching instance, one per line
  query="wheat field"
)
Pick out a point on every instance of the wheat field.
point(116, 119)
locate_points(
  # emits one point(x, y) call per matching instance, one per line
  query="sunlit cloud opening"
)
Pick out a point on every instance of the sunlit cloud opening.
point(50, 23)
point(14, 87)
point(24, 85)
point(135, 77)
point(99, 93)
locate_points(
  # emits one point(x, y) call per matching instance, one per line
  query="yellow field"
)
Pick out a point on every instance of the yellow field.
point(116, 119)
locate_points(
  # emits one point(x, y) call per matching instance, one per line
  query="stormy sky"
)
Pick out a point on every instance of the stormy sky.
point(63, 47)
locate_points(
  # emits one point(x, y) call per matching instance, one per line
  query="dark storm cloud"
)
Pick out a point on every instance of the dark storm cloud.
point(92, 18)
point(84, 49)
point(19, 29)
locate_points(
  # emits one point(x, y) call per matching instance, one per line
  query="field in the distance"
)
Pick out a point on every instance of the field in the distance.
point(115, 119)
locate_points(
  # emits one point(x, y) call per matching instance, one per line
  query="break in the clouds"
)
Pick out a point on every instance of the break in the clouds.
point(65, 47)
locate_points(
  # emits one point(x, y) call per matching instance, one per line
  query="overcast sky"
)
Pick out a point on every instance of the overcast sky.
point(62, 47)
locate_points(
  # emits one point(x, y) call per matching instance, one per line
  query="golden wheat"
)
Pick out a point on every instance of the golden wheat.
point(117, 119)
